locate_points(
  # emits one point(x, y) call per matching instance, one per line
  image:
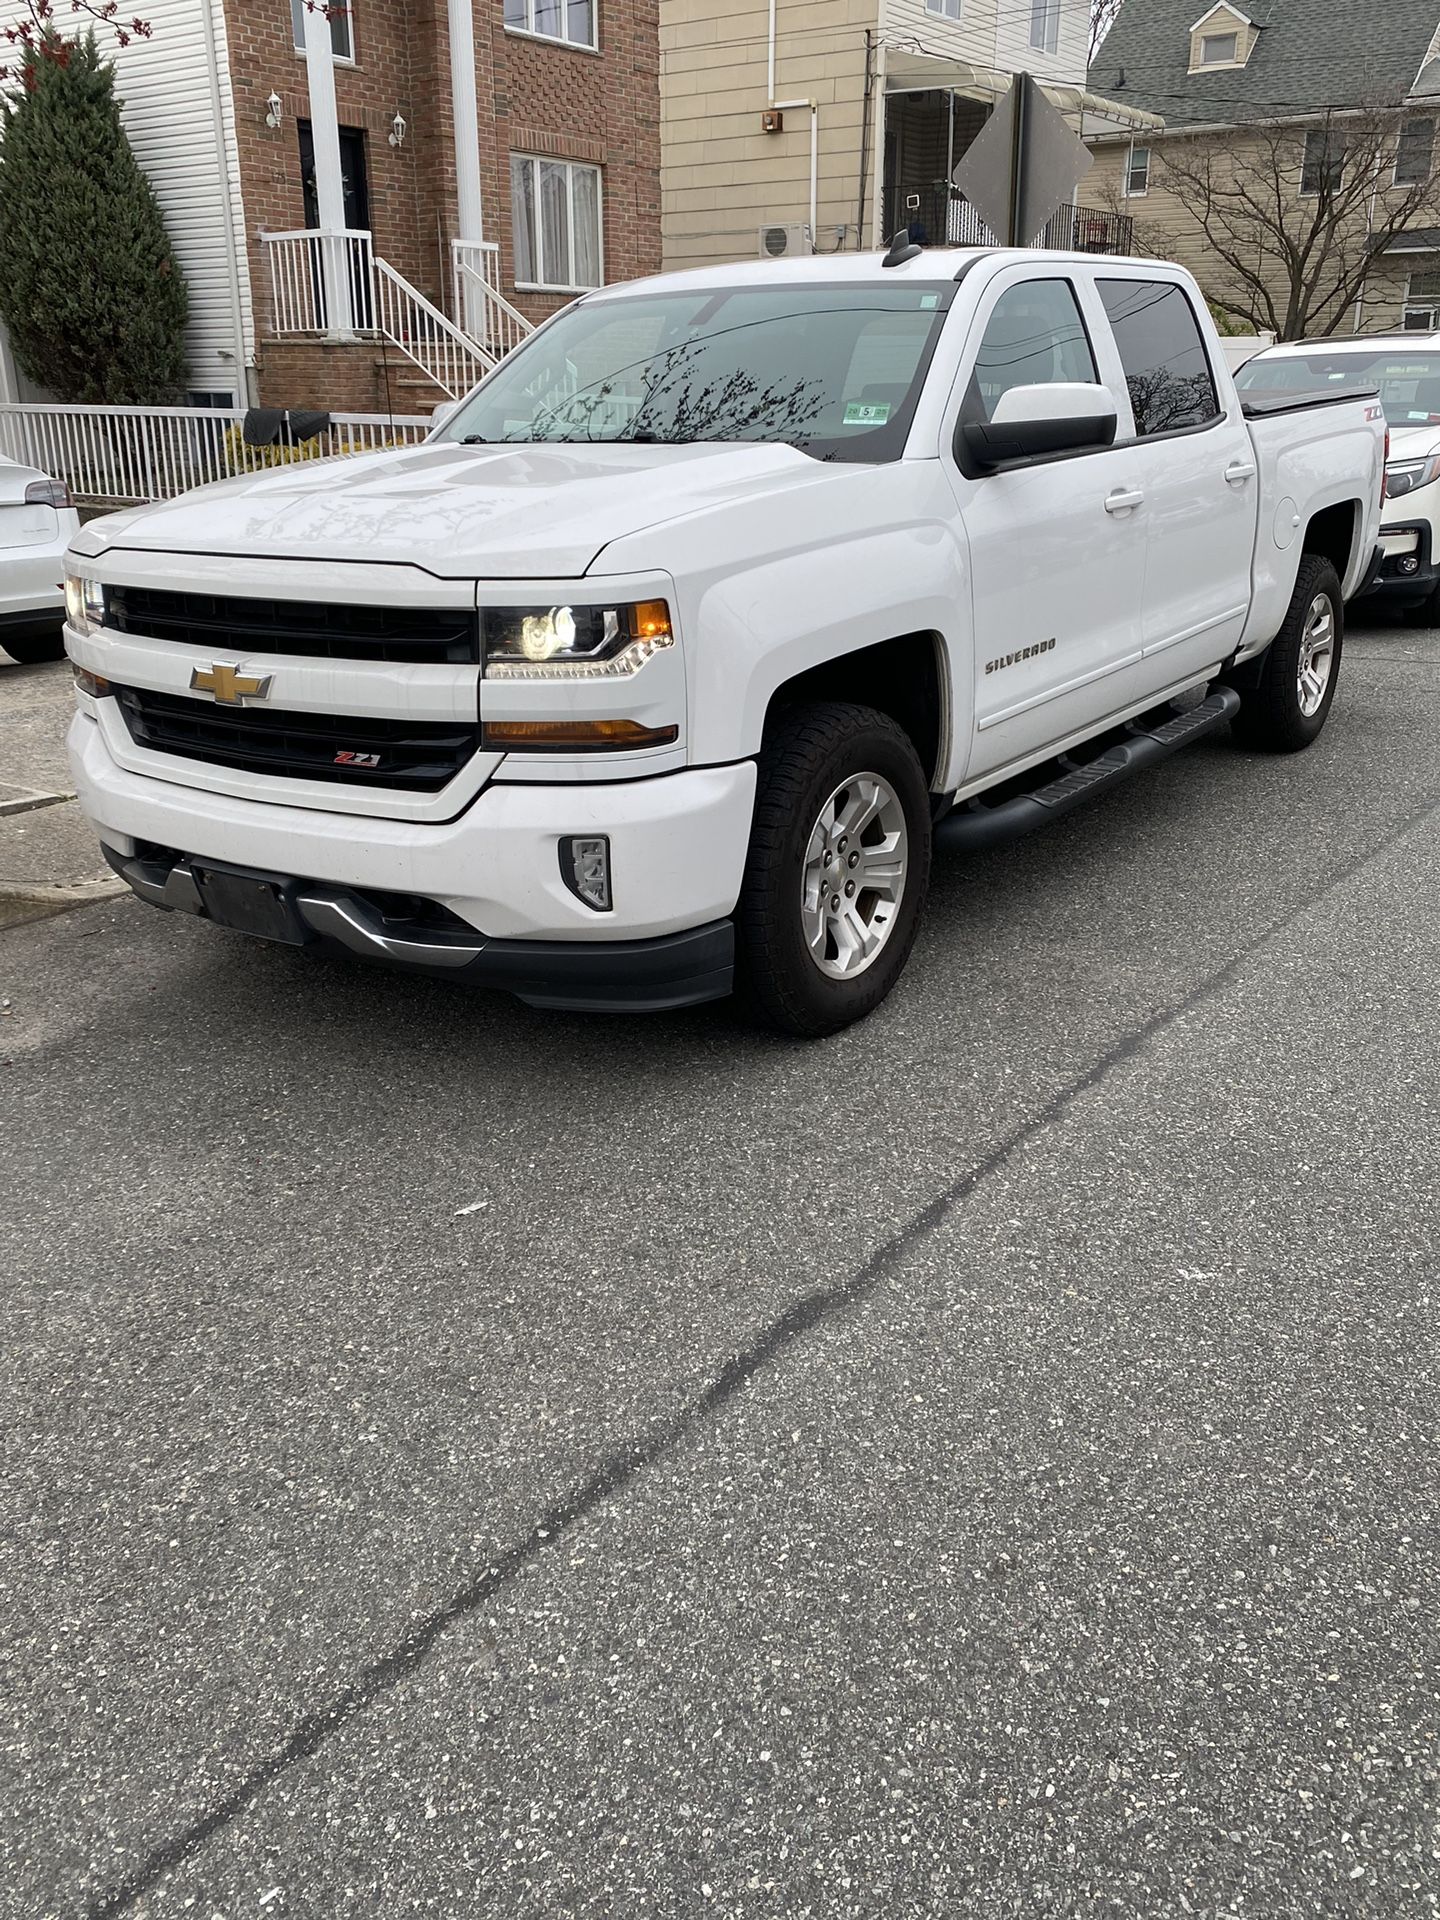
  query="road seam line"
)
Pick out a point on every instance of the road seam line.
point(626, 1462)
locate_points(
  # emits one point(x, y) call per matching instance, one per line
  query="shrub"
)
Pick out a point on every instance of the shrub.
point(90, 293)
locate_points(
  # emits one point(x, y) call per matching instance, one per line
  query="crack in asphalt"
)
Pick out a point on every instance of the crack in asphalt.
point(625, 1463)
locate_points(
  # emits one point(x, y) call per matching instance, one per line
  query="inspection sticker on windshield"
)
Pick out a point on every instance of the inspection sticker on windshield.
point(866, 413)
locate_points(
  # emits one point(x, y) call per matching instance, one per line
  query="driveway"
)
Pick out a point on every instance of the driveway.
point(465, 1461)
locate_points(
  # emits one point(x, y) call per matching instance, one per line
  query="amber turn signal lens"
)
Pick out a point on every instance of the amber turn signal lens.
point(652, 620)
point(91, 683)
point(538, 736)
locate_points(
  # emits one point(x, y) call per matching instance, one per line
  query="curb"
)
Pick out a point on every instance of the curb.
point(21, 904)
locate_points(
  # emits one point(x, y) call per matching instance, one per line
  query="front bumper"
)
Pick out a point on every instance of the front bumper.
point(677, 845)
point(677, 970)
point(1401, 543)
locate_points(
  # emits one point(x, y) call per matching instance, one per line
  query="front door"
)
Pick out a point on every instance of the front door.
point(1057, 560)
point(355, 184)
point(354, 179)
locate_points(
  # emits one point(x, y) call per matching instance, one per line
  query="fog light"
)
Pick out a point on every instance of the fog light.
point(92, 683)
point(1409, 564)
point(585, 868)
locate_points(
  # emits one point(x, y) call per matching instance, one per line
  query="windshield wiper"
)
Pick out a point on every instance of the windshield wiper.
point(474, 440)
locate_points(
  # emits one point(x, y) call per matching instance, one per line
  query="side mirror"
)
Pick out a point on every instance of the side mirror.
point(1032, 423)
point(446, 410)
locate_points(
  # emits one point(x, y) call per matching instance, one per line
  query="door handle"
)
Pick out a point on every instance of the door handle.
point(1239, 471)
point(1122, 499)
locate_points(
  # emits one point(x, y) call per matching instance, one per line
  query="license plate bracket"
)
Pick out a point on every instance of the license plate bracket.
point(251, 903)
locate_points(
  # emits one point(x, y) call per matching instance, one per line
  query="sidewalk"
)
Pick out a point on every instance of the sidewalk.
point(49, 857)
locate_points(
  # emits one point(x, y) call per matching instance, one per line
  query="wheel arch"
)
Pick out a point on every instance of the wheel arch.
point(905, 676)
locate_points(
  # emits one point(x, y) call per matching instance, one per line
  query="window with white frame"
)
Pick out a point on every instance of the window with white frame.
point(342, 37)
point(1045, 25)
point(1324, 164)
point(1422, 301)
point(556, 206)
point(947, 9)
point(1137, 172)
point(569, 20)
point(1415, 153)
point(1219, 49)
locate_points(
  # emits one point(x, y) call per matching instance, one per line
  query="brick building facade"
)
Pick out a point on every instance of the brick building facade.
point(537, 94)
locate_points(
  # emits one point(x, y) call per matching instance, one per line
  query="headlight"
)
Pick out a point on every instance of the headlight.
point(1404, 476)
point(84, 604)
point(573, 643)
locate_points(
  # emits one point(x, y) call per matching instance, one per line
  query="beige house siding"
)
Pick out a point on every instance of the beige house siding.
point(722, 177)
point(1165, 226)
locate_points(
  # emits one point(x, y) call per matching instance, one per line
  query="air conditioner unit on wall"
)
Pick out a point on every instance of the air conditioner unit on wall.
point(778, 243)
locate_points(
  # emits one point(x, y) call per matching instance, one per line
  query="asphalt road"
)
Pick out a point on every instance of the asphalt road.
point(464, 1461)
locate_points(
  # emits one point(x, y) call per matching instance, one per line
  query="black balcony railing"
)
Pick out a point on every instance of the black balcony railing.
point(940, 218)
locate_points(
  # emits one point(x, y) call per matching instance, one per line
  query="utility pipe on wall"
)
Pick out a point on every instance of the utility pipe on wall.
point(793, 106)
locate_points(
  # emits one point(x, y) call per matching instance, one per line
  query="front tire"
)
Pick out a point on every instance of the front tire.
point(30, 645)
point(838, 868)
point(1289, 703)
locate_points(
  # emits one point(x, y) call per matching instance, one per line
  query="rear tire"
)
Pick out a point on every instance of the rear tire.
point(841, 800)
point(1287, 707)
point(30, 645)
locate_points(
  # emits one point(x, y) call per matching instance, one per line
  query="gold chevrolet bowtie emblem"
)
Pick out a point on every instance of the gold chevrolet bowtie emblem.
point(229, 686)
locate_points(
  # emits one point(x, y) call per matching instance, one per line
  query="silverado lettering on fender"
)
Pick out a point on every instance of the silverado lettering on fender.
point(665, 661)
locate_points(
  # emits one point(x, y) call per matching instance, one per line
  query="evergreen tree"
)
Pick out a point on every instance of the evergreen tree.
point(90, 293)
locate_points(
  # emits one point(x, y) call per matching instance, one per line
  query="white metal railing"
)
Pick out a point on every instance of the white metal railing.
point(336, 286)
point(320, 282)
point(117, 456)
point(477, 302)
point(437, 346)
point(490, 317)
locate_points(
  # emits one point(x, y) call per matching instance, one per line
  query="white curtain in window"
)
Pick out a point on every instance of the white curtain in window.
point(585, 182)
point(522, 197)
point(554, 224)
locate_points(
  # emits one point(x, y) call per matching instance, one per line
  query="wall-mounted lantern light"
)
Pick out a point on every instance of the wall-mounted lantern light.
point(398, 130)
point(274, 111)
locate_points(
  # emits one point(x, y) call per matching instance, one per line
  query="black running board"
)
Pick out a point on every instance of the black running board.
point(975, 826)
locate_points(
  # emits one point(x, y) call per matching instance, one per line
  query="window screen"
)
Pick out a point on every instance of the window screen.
point(1414, 153)
point(1034, 336)
point(1324, 164)
point(1163, 355)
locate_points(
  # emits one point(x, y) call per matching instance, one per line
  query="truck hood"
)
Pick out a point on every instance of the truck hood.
point(1414, 443)
point(460, 512)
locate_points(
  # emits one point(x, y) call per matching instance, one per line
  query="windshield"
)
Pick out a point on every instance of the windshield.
point(833, 370)
point(1408, 380)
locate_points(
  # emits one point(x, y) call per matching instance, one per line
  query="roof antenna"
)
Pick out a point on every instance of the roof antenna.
point(902, 248)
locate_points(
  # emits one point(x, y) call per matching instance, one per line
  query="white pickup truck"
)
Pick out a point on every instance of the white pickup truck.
point(667, 659)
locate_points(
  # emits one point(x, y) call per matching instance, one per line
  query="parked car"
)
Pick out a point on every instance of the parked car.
point(669, 656)
point(1404, 369)
point(37, 523)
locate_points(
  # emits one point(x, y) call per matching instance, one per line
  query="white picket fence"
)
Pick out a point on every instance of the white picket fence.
point(118, 456)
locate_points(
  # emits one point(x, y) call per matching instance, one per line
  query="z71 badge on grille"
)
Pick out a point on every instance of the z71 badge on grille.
point(357, 759)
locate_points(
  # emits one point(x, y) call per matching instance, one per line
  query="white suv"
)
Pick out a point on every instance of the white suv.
point(1404, 369)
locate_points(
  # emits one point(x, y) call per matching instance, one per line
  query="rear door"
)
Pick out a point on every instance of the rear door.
point(1057, 547)
point(1196, 468)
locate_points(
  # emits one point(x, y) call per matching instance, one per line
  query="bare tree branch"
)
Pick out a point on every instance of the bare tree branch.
point(1102, 18)
point(1294, 214)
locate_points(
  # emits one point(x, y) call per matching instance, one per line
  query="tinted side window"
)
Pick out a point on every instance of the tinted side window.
point(1033, 337)
point(1162, 353)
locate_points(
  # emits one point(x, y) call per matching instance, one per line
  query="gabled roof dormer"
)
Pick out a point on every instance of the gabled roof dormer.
point(1222, 38)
